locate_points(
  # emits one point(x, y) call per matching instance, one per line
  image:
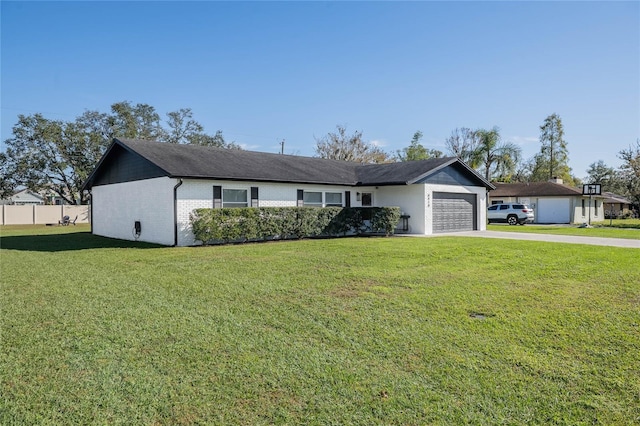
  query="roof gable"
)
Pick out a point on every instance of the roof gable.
point(120, 164)
point(26, 195)
point(457, 174)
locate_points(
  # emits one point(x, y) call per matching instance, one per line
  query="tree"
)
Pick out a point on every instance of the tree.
point(415, 151)
point(496, 159)
point(140, 121)
point(216, 140)
point(59, 156)
point(7, 184)
point(462, 143)
point(55, 155)
point(182, 127)
point(341, 146)
point(630, 172)
point(554, 153)
point(608, 177)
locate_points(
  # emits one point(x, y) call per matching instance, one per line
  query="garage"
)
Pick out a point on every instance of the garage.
point(454, 212)
point(553, 210)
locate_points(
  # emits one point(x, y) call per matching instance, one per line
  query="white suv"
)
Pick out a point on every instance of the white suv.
point(511, 213)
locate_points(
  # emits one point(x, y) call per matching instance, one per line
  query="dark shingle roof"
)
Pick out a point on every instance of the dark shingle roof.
point(399, 173)
point(193, 161)
point(533, 189)
point(612, 198)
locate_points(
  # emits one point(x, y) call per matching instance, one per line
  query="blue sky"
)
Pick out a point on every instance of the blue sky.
point(266, 71)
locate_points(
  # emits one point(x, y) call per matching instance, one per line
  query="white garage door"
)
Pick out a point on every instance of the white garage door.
point(454, 212)
point(553, 210)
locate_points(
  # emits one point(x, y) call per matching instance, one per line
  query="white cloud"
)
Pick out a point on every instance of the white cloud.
point(378, 143)
point(524, 140)
point(248, 147)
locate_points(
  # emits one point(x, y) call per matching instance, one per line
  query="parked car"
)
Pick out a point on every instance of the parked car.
point(511, 213)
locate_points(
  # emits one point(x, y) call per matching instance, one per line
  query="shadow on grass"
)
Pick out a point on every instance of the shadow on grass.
point(67, 242)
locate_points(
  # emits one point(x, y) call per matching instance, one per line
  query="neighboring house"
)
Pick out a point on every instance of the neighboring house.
point(24, 197)
point(160, 184)
point(552, 202)
point(616, 205)
point(28, 197)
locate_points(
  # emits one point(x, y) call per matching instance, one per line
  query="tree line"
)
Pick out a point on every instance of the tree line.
point(496, 159)
point(58, 156)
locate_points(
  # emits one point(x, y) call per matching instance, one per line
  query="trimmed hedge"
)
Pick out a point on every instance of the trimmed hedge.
point(272, 223)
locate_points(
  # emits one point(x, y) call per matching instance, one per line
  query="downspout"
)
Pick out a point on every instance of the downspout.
point(175, 212)
point(91, 210)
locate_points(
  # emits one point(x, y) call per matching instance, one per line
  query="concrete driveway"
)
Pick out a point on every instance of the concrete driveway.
point(596, 241)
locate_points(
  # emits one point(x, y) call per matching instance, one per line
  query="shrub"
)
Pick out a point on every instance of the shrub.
point(267, 223)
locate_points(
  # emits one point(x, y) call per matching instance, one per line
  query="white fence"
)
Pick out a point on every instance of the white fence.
point(42, 215)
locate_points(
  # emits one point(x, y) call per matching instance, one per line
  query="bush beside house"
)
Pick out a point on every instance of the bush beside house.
point(269, 223)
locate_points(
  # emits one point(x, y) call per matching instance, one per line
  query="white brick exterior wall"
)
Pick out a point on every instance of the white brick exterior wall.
point(195, 194)
point(117, 206)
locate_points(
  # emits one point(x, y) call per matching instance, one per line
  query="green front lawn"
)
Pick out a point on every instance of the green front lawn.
point(598, 230)
point(366, 331)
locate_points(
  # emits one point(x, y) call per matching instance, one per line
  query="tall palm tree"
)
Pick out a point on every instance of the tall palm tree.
point(492, 156)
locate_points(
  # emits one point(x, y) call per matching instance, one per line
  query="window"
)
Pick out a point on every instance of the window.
point(497, 202)
point(333, 199)
point(584, 210)
point(367, 199)
point(312, 199)
point(494, 207)
point(504, 207)
point(595, 203)
point(234, 198)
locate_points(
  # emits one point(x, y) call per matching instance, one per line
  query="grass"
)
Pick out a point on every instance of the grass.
point(404, 331)
point(620, 223)
point(626, 230)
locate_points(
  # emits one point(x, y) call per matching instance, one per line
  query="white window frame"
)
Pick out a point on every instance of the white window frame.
point(314, 204)
point(323, 198)
point(326, 204)
point(236, 204)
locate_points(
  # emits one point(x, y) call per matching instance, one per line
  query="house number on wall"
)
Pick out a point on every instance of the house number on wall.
point(428, 200)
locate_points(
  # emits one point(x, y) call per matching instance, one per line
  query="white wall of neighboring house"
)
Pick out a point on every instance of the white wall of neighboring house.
point(573, 205)
point(593, 210)
point(117, 206)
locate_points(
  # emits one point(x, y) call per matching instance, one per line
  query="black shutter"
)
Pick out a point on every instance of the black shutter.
point(347, 199)
point(217, 197)
point(254, 196)
point(300, 197)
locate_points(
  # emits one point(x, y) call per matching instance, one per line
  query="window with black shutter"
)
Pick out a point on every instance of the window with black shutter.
point(217, 197)
point(254, 196)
